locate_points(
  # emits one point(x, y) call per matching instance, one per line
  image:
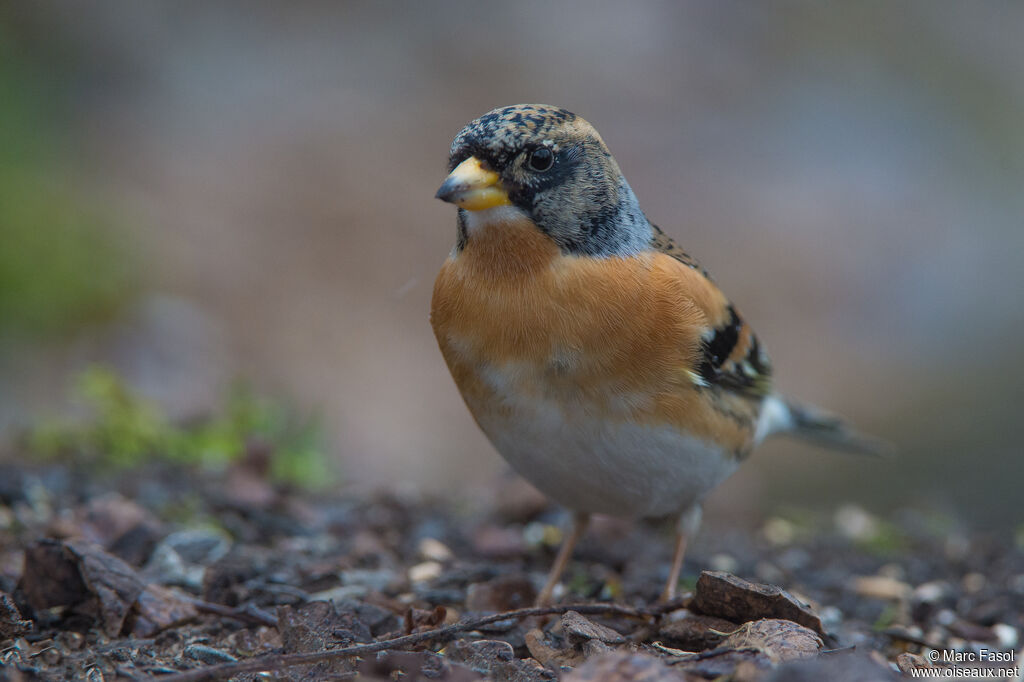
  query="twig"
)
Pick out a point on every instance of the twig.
point(895, 633)
point(249, 613)
point(281, 661)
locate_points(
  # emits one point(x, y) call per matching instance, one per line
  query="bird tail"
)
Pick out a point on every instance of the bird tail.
point(818, 427)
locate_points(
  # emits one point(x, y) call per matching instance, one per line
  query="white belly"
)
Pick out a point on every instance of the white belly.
point(589, 461)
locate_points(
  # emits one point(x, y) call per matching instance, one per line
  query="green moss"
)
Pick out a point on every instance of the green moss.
point(123, 430)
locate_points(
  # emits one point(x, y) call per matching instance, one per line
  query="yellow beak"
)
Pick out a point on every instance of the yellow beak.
point(473, 187)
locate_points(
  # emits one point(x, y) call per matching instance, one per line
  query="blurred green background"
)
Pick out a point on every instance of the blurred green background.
point(192, 192)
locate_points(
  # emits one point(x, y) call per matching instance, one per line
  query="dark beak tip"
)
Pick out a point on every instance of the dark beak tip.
point(447, 190)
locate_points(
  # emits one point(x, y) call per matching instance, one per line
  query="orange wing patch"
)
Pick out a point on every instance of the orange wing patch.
point(732, 355)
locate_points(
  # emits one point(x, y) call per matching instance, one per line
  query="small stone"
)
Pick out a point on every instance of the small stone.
point(881, 587)
point(1006, 635)
point(855, 523)
point(425, 572)
point(207, 654)
point(732, 598)
point(182, 557)
point(931, 592)
point(974, 582)
point(434, 550)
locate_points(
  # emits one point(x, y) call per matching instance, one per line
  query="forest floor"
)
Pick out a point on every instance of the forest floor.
point(166, 574)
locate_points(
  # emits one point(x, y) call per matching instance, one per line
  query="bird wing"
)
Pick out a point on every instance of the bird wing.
point(731, 357)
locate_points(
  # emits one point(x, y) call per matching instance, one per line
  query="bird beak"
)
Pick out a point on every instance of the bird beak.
point(473, 187)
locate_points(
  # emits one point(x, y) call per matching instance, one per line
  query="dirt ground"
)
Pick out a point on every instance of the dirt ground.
point(168, 574)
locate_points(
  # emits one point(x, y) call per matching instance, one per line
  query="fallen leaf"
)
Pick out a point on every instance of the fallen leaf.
point(83, 576)
point(578, 630)
point(317, 626)
point(780, 640)
point(158, 608)
point(497, 660)
point(417, 620)
point(549, 653)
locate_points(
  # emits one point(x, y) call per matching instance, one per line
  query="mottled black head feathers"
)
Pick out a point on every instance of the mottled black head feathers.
point(558, 171)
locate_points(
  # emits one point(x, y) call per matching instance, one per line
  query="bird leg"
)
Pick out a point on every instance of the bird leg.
point(580, 520)
point(685, 529)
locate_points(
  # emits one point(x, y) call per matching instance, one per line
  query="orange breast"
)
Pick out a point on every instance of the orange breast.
point(617, 335)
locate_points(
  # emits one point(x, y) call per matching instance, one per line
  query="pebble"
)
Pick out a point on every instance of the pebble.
point(207, 654)
point(1006, 635)
point(855, 523)
point(931, 592)
point(974, 582)
point(434, 550)
point(181, 558)
point(881, 587)
point(425, 572)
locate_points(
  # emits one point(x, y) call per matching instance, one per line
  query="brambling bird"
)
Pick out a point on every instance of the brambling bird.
point(596, 355)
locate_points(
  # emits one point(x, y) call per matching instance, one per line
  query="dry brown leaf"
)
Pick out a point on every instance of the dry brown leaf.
point(780, 640)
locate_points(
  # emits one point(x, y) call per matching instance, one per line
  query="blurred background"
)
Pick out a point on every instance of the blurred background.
point(195, 192)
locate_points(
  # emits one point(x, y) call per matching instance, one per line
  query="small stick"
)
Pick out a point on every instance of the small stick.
point(250, 613)
point(281, 661)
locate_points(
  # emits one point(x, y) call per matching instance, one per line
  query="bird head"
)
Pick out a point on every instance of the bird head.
point(552, 167)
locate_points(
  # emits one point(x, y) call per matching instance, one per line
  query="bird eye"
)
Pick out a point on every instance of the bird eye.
point(541, 159)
